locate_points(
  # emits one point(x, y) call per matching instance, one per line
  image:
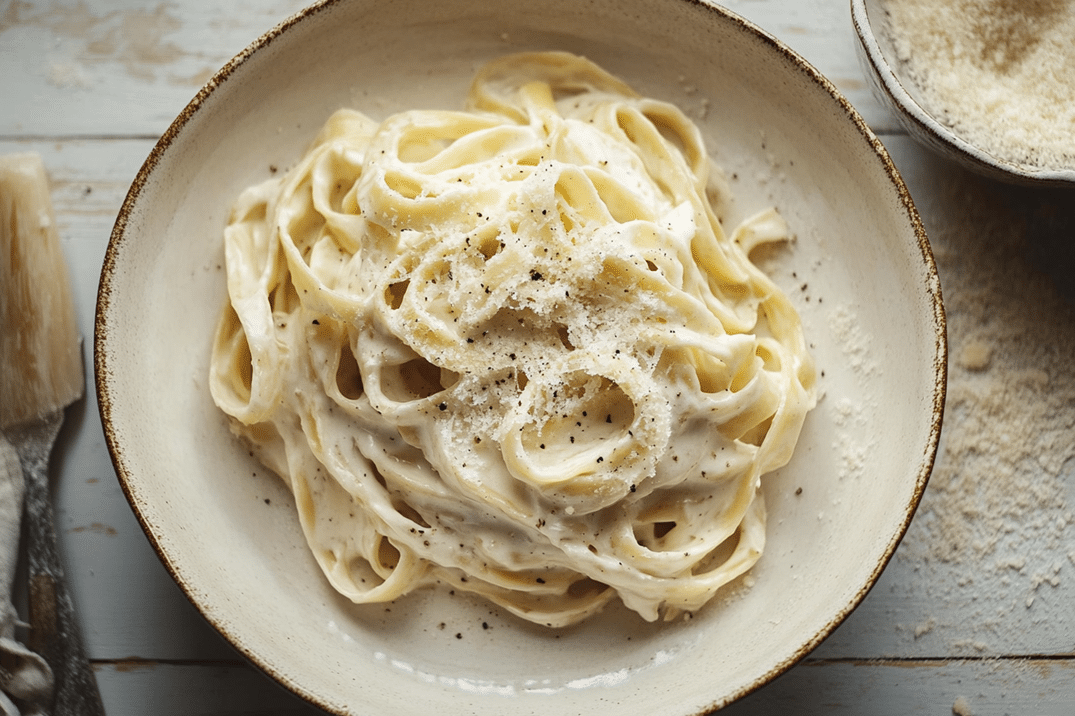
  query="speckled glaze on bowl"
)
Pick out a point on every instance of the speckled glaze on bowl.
point(878, 59)
point(860, 271)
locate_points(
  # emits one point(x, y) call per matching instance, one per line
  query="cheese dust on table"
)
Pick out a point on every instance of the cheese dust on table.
point(996, 520)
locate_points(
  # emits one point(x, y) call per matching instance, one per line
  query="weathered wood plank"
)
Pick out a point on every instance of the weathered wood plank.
point(936, 688)
point(117, 67)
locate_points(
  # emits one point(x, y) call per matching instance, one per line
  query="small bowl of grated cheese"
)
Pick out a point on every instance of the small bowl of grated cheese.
point(987, 83)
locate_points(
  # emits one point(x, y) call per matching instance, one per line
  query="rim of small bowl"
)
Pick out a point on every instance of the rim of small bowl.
point(113, 260)
point(931, 132)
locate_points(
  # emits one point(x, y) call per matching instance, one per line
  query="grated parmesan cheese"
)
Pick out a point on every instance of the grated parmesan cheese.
point(999, 73)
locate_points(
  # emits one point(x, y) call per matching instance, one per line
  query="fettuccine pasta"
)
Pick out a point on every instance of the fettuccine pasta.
point(511, 350)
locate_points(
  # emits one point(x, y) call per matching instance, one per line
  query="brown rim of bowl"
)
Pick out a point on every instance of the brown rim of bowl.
point(103, 374)
point(924, 125)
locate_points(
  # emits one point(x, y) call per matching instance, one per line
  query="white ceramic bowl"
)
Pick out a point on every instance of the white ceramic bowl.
point(860, 271)
point(878, 59)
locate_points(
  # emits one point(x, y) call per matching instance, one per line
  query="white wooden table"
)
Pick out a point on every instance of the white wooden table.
point(976, 614)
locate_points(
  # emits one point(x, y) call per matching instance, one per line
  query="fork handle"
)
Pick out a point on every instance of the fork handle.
point(54, 632)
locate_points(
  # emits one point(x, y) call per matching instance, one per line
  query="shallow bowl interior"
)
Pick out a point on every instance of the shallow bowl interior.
point(860, 271)
point(879, 62)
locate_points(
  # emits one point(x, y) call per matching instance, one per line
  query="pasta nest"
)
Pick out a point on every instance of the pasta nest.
point(512, 350)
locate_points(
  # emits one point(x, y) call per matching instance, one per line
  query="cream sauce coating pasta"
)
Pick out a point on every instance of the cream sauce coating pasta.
point(512, 350)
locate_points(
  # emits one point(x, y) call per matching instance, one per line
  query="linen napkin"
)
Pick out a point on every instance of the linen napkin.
point(25, 678)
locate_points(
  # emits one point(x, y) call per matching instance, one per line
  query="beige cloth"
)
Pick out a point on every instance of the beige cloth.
point(25, 678)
